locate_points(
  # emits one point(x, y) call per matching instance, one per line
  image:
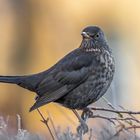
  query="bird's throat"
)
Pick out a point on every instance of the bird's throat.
point(89, 46)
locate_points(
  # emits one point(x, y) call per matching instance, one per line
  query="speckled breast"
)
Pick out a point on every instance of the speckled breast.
point(95, 86)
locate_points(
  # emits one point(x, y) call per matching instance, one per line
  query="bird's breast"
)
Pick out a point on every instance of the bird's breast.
point(100, 77)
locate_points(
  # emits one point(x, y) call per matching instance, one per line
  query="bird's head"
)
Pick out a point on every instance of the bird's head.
point(93, 39)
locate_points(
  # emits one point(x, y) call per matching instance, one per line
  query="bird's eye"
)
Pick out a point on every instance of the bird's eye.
point(97, 36)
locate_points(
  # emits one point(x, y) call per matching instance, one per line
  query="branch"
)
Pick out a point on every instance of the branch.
point(115, 111)
point(114, 118)
point(53, 126)
point(45, 121)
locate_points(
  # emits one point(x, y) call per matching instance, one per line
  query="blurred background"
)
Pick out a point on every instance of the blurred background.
point(35, 34)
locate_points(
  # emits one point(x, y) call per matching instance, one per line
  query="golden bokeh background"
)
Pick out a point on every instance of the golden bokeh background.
point(35, 34)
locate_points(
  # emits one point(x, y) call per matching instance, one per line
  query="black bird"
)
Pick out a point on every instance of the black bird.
point(77, 80)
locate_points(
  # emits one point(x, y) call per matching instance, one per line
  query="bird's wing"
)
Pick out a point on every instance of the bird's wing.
point(65, 76)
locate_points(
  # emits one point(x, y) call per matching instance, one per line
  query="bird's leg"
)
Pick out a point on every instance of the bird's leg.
point(83, 127)
point(87, 113)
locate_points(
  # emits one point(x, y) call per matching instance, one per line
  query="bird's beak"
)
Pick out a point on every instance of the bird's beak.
point(85, 35)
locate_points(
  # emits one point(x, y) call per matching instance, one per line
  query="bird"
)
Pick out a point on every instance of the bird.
point(77, 80)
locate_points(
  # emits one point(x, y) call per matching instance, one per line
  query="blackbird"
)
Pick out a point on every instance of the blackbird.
point(78, 79)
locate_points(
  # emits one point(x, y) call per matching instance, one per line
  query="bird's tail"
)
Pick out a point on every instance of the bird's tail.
point(29, 82)
point(10, 79)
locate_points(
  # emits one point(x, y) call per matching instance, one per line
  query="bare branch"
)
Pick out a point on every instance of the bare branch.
point(52, 123)
point(45, 121)
point(115, 111)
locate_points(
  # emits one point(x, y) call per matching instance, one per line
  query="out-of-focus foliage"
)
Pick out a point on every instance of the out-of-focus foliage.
point(21, 134)
point(105, 131)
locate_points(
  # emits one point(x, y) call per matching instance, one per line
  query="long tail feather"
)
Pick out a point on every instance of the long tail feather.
point(10, 79)
point(28, 82)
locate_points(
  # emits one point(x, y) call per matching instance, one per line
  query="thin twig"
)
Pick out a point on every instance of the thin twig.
point(132, 115)
point(132, 127)
point(115, 111)
point(124, 128)
point(77, 115)
point(51, 121)
point(45, 121)
point(103, 117)
point(114, 118)
point(118, 132)
point(19, 122)
point(109, 104)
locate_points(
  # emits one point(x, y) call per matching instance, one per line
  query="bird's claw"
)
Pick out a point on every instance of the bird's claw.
point(87, 113)
point(82, 128)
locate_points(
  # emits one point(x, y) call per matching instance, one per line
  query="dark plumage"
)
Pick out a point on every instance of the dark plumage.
point(78, 79)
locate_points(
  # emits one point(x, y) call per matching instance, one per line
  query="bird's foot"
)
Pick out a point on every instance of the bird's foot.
point(87, 113)
point(82, 128)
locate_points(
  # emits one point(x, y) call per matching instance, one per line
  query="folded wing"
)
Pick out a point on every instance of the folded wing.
point(66, 75)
